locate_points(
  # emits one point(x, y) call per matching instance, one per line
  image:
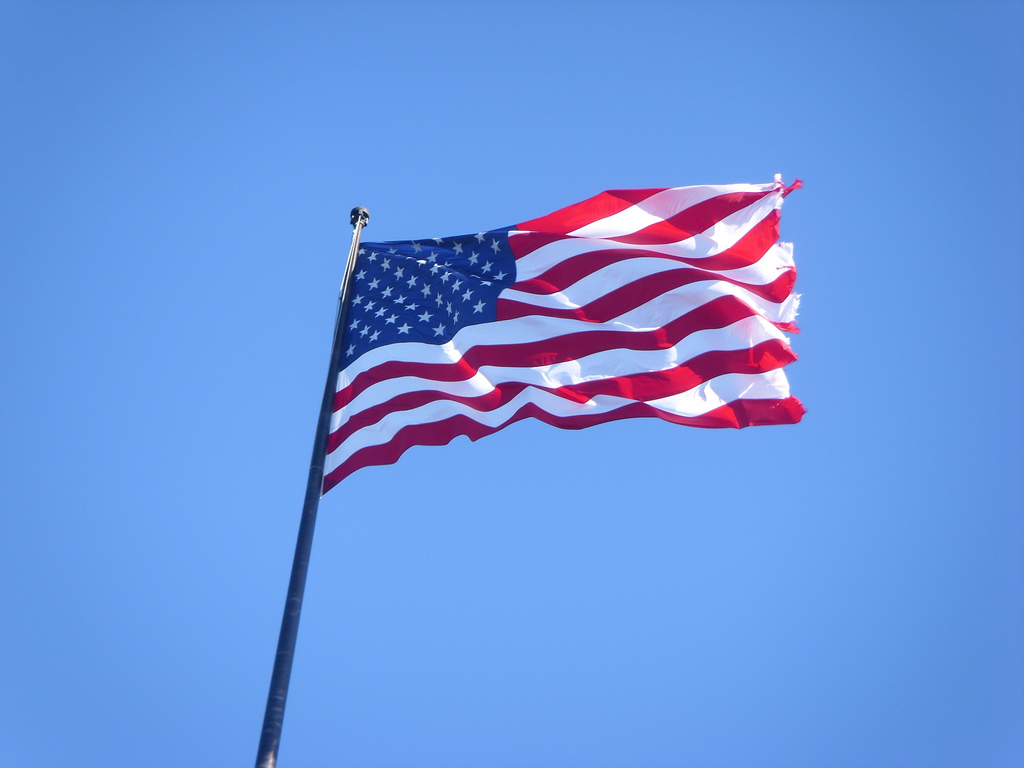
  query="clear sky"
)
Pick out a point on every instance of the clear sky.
point(175, 181)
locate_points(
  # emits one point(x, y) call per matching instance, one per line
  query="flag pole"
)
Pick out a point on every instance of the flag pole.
point(273, 717)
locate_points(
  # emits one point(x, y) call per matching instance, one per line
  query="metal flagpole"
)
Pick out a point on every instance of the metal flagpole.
point(273, 718)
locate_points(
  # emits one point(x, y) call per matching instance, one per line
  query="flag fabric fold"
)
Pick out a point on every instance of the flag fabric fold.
point(664, 303)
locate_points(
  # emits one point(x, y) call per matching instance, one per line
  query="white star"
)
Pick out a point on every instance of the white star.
point(365, 331)
point(411, 282)
point(374, 283)
point(399, 272)
point(413, 306)
point(374, 335)
point(449, 307)
point(362, 251)
point(380, 312)
point(425, 317)
point(360, 274)
point(457, 247)
point(446, 277)
point(500, 276)
point(474, 257)
point(400, 300)
point(387, 292)
point(426, 290)
point(417, 247)
point(392, 250)
point(480, 236)
point(437, 240)
point(439, 300)
point(357, 300)
point(404, 328)
point(439, 330)
point(373, 256)
point(494, 246)
point(486, 267)
point(355, 324)
point(370, 305)
point(456, 285)
point(478, 307)
point(351, 349)
point(455, 319)
point(386, 264)
point(391, 319)
point(467, 294)
point(433, 269)
point(432, 257)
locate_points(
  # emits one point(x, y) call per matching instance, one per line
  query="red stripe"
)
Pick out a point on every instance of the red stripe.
point(787, 327)
point(748, 250)
point(639, 292)
point(646, 386)
point(654, 385)
point(717, 313)
point(525, 243)
point(737, 414)
point(572, 217)
point(693, 220)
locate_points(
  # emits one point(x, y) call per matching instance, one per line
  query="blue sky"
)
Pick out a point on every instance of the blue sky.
point(175, 181)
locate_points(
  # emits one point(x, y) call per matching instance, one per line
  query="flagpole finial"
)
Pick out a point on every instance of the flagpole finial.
point(360, 215)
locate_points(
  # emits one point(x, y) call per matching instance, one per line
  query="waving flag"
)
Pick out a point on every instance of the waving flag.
point(665, 303)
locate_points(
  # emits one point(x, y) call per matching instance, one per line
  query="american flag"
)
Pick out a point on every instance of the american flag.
point(666, 303)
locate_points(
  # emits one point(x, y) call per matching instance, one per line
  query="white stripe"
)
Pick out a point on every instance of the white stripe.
point(613, 276)
point(658, 207)
point(667, 306)
point(695, 402)
point(770, 385)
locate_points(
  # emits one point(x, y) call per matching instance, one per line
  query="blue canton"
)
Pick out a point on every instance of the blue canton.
point(425, 290)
